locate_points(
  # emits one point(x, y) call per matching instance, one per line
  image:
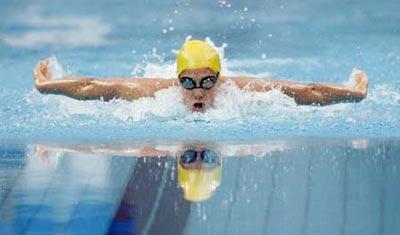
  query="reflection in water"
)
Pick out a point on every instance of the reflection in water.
point(151, 193)
point(199, 173)
point(149, 196)
point(156, 187)
point(164, 180)
point(11, 159)
point(199, 164)
point(342, 187)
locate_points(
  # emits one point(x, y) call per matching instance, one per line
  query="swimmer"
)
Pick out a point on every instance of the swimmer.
point(199, 77)
point(198, 164)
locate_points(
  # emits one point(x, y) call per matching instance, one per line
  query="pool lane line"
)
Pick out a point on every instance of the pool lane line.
point(153, 211)
point(271, 195)
point(234, 195)
point(44, 195)
point(9, 190)
point(345, 193)
point(13, 183)
point(121, 198)
point(382, 194)
point(84, 192)
point(306, 214)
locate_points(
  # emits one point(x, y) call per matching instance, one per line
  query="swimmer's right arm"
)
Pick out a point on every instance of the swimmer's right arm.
point(85, 88)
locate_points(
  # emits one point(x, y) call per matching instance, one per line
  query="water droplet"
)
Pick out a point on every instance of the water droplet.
point(263, 56)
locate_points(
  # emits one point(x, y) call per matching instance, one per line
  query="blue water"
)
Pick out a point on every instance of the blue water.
point(329, 186)
point(316, 41)
point(69, 166)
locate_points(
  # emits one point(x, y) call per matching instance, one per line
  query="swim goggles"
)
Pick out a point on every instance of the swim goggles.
point(207, 156)
point(205, 83)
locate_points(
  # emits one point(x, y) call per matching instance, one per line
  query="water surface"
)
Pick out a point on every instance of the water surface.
point(303, 186)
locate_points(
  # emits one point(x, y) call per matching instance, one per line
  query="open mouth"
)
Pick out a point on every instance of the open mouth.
point(198, 107)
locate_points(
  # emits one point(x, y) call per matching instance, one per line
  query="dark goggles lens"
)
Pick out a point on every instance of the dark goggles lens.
point(189, 156)
point(188, 83)
point(206, 83)
point(210, 157)
point(207, 156)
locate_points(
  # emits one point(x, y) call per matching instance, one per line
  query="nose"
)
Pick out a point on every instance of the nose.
point(198, 94)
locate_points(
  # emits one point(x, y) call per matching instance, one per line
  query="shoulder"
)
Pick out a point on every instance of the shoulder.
point(150, 82)
point(239, 81)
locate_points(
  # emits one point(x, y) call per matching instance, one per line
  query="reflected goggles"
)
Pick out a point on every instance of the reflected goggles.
point(207, 156)
point(205, 83)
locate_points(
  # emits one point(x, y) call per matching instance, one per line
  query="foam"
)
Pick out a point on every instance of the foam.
point(230, 103)
point(57, 71)
point(384, 94)
point(235, 109)
point(234, 102)
point(166, 103)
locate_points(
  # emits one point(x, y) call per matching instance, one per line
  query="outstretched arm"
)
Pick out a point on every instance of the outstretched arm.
point(85, 88)
point(312, 94)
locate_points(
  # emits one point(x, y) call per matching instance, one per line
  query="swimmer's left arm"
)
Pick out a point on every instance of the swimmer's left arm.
point(310, 94)
point(44, 150)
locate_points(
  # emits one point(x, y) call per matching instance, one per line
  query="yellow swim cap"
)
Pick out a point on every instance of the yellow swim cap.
point(199, 185)
point(196, 54)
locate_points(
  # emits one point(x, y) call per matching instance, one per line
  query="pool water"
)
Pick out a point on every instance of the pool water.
point(309, 186)
point(71, 166)
point(313, 41)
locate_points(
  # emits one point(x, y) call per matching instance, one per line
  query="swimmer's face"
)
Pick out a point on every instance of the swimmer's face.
point(199, 99)
point(199, 158)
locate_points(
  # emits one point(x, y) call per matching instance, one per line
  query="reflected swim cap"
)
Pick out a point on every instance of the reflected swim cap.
point(196, 54)
point(199, 185)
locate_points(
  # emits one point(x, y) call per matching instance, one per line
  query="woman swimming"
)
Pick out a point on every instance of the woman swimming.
point(199, 77)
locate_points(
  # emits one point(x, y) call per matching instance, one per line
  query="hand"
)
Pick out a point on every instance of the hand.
point(42, 153)
point(41, 73)
point(361, 80)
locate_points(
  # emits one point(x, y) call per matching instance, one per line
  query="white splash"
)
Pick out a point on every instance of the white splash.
point(385, 95)
point(351, 81)
point(154, 66)
point(57, 71)
point(234, 102)
point(230, 103)
point(166, 103)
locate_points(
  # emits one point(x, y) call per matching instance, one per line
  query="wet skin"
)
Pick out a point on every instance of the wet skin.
point(199, 99)
point(198, 164)
point(196, 100)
